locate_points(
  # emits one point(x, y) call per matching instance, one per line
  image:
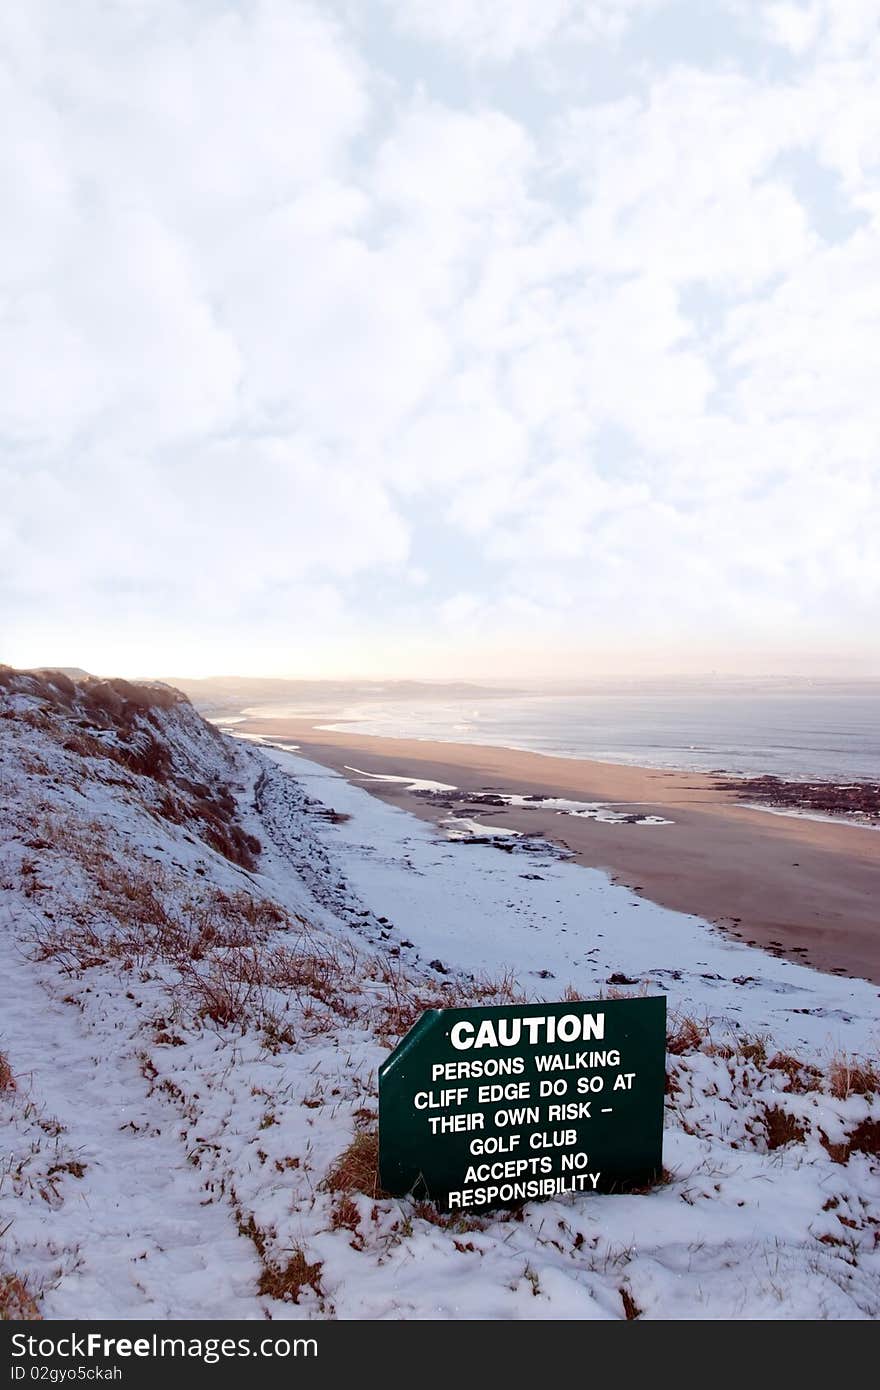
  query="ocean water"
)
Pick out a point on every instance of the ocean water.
point(792, 735)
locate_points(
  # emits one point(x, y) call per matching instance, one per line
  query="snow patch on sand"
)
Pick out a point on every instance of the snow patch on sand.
point(412, 784)
point(463, 828)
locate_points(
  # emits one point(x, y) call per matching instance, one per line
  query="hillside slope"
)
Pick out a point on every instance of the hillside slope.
point(210, 947)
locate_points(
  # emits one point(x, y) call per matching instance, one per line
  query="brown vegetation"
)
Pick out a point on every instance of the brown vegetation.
point(800, 1076)
point(865, 1138)
point(357, 1168)
point(408, 999)
point(286, 1282)
point(685, 1035)
point(17, 1303)
point(853, 1076)
point(630, 1308)
point(346, 1217)
point(106, 702)
point(7, 1080)
point(781, 1128)
point(123, 723)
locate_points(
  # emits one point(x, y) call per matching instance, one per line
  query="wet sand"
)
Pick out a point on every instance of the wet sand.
point(805, 889)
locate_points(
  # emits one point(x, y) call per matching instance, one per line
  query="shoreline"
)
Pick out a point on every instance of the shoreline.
point(802, 888)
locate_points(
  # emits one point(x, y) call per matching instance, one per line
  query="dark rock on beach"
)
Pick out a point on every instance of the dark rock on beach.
point(856, 800)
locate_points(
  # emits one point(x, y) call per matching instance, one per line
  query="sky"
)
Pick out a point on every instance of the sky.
point(440, 338)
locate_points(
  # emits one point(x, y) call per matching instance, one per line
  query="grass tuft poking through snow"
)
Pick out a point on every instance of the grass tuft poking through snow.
point(853, 1076)
point(17, 1303)
point(7, 1080)
point(287, 1282)
point(357, 1168)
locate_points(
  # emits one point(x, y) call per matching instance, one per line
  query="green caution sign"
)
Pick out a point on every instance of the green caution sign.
point(491, 1107)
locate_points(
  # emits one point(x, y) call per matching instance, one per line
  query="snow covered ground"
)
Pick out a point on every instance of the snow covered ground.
point(210, 947)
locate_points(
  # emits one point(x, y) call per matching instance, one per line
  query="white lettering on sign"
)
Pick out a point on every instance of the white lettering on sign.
point(522, 1191)
point(572, 1110)
point(576, 1061)
point(489, 1066)
point(510, 1090)
point(507, 1168)
point(544, 1028)
point(496, 1144)
point(440, 1100)
point(456, 1124)
point(559, 1139)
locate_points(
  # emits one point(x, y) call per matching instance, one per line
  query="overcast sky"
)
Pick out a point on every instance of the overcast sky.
point(440, 337)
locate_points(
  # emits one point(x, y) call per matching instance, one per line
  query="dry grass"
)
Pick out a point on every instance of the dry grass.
point(227, 989)
point(287, 1282)
point(325, 973)
point(357, 1168)
point(685, 1035)
point(17, 1303)
point(234, 959)
point(80, 840)
point(276, 1033)
point(282, 1281)
point(753, 1048)
point(233, 954)
point(118, 722)
point(7, 1080)
point(865, 1138)
point(781, 1128)
point(749, 1048)
point(845, 1076)
point(408, 999)
point(801, 1077)
point(463, 1223)
point(630, 1308)
point(852, 1076)
point(346, 1217)
point(218, 944)
point(236, 984)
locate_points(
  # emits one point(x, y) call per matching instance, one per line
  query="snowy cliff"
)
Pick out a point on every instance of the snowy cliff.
point(209, 948)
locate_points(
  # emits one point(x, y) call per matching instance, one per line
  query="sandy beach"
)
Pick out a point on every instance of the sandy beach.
point(804, 888)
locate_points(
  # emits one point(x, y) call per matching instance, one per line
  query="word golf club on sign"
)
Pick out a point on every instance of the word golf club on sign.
point(490, 1107)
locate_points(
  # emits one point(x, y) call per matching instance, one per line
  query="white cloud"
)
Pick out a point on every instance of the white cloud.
point(794, 26)
point(141, 143)
point(681, 181)
point(275, 308)
point(842, 27)
point(497, 30)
